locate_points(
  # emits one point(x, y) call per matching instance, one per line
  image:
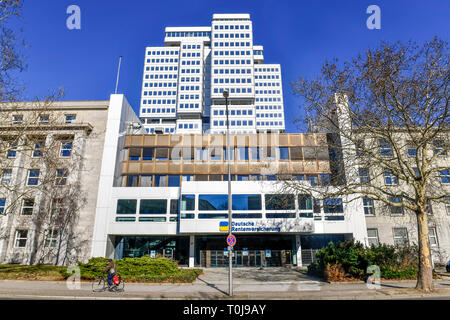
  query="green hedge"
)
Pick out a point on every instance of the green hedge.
point(350, 259)
point(143, 269)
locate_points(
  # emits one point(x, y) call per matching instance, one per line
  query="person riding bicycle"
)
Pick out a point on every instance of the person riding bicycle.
point(111, 268)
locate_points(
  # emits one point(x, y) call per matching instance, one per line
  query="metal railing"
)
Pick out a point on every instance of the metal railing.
point(308, 256)
point(247, 258)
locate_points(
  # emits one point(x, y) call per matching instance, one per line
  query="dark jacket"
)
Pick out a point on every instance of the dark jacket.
point(111, 268)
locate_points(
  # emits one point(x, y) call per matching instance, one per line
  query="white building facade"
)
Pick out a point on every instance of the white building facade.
point(183, 81)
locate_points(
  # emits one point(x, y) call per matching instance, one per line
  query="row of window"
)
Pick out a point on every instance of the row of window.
point(190, 70)
point(267, 99)
point(65, 149)
point(267, 91)
point(386, 149)
point(231, 35)
point(161, 84)
point(269, 115)
point(231, 53)
point(233, 123)
point(232, 61)
point(187, 96)
point(238, 112)
point(171, 60)
point(148, 180)
point(33, 177)
point(191, 46)
point(157, 53)
point(233, 80)
point(160, 93)
point(257, 52)
point(400, 236)
point(191, 54)
point(268, 107)
point(266, 70)
point(166, 130)
point(163, 101)
point(392, 180)
point(183, 88)
point(161, 76)
point(231, 27)
point(159, 110)
point(239, 153)
point(166, 68)
point(189, 105)
point(231, 44)
point(17, 119)
point(269, 123)
point(188, 34)
point(188, 126)
point(232, 71)
point(234, 90)
point(191, 79)
point(267, 84)
point(50, 240)
point(267, 77)
point(190, 63)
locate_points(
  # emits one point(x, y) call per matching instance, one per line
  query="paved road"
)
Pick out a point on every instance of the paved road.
point(271, 283)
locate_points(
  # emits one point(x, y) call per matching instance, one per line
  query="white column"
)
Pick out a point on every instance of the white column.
point(191, 250)
point(298, 245)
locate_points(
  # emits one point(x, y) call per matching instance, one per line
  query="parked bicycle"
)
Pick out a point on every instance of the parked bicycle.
point(101, 284)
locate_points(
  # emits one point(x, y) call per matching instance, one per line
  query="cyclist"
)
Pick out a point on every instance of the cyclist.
point(111, 268)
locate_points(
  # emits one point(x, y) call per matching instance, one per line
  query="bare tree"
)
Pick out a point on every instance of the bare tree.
point(386, 111)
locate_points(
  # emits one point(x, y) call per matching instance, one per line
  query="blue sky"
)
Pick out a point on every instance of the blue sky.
point(299, 35)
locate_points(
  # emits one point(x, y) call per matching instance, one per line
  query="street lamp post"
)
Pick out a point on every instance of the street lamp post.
point(228, 153)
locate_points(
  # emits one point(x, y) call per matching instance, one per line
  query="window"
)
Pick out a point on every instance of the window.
point(154, 206)
point(246, 202)
point(146, 180)
point(44, 119)
point(187, 202)
point(368, 206)
point(17, 119)
point(439, 146)
point(126, 206)
point(389, 178)
point(174, 180)
point(61, 177)
point(12, 150)
point(27, 207)
point(269, 153)
point(37, 152)
point(305, 202)
point(359, 147)
point(162, 153)
point(2, 205)
point(147, 154)
point(6, 177)
point(173, 206)
point(254, 153)
point(134, 154)
point(57, 207)
point(21, 238)
point(385, 149)
point(372, 236)
point(215, 153)
point(400, 236)
point(284, 153)
point(66, 148)
point(296, 153)
point(132, 180)
point(445, 176)
point(279, 202)
point(70, 118)
point(51, 238)
point(313, 180)
point(364, 175)
point(160, 181)
point(396, 209)
point(212, 202)
point(433, 237)
point(333, 205)
point(242, 153)
point(33, 177)
point(411, 149)
point(325, 179)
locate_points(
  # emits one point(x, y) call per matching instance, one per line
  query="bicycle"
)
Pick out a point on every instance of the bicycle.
point(101, 284)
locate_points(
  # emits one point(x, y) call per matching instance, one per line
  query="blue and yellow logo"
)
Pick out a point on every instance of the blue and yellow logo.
point(223, 226)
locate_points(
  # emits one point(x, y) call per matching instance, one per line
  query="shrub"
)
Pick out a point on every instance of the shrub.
point(350, 259)
point(143, 269)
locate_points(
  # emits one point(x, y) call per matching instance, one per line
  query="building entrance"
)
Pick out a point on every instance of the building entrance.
point(263, 250)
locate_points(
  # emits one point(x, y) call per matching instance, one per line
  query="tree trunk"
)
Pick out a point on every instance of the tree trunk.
point(425, 277)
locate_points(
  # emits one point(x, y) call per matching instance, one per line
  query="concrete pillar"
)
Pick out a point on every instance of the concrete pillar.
point(298, 246)
point(191, 250)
